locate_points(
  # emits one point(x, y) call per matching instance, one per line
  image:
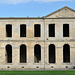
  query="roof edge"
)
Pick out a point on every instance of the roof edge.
point(37, 18)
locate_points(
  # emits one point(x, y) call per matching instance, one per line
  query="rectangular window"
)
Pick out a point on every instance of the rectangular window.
point(8, 30)
point(51, 30)
point(37, 30)
point(23, 30)
point(66, 30)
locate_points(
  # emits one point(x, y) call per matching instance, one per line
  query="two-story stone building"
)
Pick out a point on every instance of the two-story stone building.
point(38, 43)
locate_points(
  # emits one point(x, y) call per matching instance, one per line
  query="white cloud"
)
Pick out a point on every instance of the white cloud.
point(25, 1)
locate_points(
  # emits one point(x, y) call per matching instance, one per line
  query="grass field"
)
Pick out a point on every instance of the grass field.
point(37, 72)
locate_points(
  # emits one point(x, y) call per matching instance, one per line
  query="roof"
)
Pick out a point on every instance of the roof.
point(60, 10)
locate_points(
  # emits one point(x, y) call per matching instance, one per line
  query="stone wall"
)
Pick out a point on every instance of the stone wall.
point(30, 41)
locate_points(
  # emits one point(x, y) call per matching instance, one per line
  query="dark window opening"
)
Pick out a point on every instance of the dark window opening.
point(66, 30)
point(23, 54)
point(37, 30)
point(51, 30)
point(37, 53)
point(51, 53)
point(66, 53)
point(8, 30)
point(9, 54)
point(22, 30)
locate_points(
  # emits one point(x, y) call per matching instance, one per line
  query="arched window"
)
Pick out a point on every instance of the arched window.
point(37, 53)
point(23, 30)
point(51, 30)
point(66, 30)
point(23, 54)
point(51, 53)
point(9, 53)
point(37, 30)
point(8, 30)
point(66, 53)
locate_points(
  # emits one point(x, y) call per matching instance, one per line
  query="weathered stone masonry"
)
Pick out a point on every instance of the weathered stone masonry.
point(38, 43)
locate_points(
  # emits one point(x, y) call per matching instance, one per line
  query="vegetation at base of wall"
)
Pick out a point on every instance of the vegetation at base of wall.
point(37, 72)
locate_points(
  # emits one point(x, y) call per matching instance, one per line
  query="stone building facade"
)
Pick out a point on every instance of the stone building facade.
point(38, 43)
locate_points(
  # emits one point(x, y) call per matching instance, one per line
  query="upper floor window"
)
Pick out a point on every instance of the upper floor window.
point(22, 30)
point(66, 30)
point(37, 30)
point(51, 30)
point(8, 30)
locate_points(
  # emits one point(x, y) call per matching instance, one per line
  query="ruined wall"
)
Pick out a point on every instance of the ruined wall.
point(30, 41)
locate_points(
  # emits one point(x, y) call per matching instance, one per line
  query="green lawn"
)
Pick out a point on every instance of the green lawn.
point(37, 72)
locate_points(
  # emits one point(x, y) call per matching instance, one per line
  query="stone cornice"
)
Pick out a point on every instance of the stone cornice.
point(35, 18)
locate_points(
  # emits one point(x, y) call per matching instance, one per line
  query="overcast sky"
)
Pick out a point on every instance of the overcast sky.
point(32, 8)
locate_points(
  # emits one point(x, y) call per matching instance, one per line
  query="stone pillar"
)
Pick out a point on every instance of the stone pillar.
point(15, 55)
point(2, 56)
point(46, 54)
point(59, 55)
point(42, 55)
point(30, 30)
point(30, 55)
point(3, 31)
point(16, 30)
point(72, 55)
